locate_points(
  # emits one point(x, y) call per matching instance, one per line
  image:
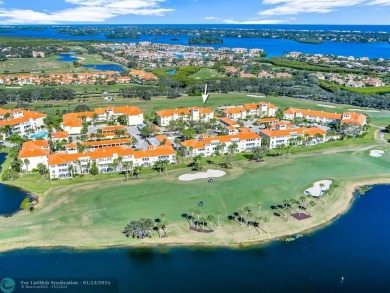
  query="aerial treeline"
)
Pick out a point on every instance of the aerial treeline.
point(36, 94)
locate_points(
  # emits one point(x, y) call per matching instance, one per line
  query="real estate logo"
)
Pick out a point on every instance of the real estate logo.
point(7, 285)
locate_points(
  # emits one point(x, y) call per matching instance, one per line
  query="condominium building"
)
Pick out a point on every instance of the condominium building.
point(323, 117)
point(33, 153)
point(207, 146)
point(261, 109)
point(296, 136)
point(186, 114)
point(73, 122)
point(19, 121)
point(103, 158)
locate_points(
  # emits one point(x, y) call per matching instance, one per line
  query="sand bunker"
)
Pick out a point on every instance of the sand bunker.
point(360, 110)
point(316, 190)
point(327, 106)
point(202, 175)
point(376, 153)
point(255, 96)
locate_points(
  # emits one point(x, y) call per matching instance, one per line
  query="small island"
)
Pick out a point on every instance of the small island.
point(205, 40)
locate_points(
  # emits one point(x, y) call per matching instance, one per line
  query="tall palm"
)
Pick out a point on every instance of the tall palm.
point(218, 213)
point(211, 219)
point(259, 205)
point(126, 166)
point(26, 162)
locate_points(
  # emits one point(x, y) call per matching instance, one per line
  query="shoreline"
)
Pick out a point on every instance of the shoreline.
point(349, 197)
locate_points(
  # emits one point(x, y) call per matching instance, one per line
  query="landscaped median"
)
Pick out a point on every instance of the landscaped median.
point(92, 214)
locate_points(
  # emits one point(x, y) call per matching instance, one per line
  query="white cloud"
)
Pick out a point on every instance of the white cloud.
point(289, 7)
point(86, 11)
point(255, 21)
point(211, 18)
point(379, 2)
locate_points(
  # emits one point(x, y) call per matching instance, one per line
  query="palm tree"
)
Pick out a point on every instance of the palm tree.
point(259, 205)
point(26, 162)
point(126, 166)
point(71, 170)
point(241, 213)
point(218, 212)
point(265, 221)
point(312, 204)
point(250, 215)
point(163, 215)
point(198, 213)
point(247, 210)
point(211, 219)
point(137, 171)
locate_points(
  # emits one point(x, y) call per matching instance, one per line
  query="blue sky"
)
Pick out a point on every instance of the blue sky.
point(195, 11)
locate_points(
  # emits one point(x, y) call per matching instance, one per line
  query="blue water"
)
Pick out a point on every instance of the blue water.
point(274, 47)
point(355, 247)
point(171, 72)
point(40, 134)
point(105, 67)
point(67, 58)
point(10, 197)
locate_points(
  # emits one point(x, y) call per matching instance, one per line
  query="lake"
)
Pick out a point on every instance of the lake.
point(274, 47)
point(351, 255)
point(10, 197)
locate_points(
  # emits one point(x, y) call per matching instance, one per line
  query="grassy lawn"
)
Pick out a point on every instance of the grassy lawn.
point(206, 73)
point(94, 213)
point(368, 90)
point(380, 118)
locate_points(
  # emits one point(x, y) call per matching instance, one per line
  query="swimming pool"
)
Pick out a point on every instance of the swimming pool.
point(40, 134)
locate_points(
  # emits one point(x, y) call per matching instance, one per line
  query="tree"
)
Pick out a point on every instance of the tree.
point(279, 114)
point(265, 221)
point(211, 219)
point(259, 205)
point(82, 108)
point(26, 163)
point(71, 170)
point(94, 169)
point(258, 152)
point(139, 229)
point(233, 147)
point(218, 212)
point(126, 167)
point(197, 163)
point(137, 171)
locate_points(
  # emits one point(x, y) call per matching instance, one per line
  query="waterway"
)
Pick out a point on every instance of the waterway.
point(274, 47)
point(351, 255)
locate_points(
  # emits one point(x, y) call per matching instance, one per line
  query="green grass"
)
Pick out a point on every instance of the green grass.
point(94, 214)
point(368, 90)
point(206, 73)
point(378, 117)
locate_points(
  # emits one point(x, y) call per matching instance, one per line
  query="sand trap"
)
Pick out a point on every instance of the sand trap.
point(202, 175)
point(359, 110)
point(316, 190)
point(376, 153)
point(326, 106)
point(254, 96)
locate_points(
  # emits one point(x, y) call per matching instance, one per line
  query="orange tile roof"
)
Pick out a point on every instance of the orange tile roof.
point(286, 132)
point(107, 142)
point(267, 120)
point(235, 110)
point(28, 153)
point(228, 121)
point(313, 113)
point(183, 111)
point(164, 150)
point(113, 128)
point(60, 134)
point(36, 144)
point(161, 138)
point(357, 118)
point(27, 115)
point(200, 144)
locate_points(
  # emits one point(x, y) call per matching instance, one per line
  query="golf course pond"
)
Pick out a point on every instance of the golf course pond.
point(10, 197)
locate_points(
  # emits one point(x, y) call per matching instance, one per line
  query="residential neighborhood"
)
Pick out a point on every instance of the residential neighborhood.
point(112, 138)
